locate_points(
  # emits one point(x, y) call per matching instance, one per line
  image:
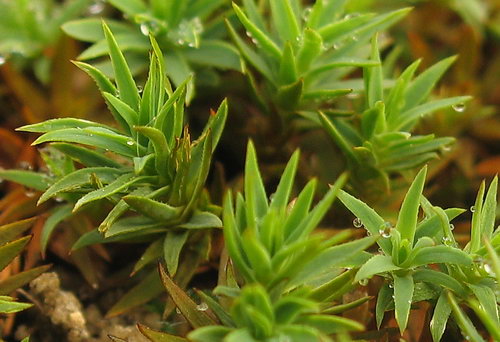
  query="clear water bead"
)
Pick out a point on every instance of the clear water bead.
point(459, 107)
point(357, 222)
point(130, 142)
point(202, 306)
point(96, 7)
point(145, 29)
point(472, 208)
point(385, 230)
point(363, 282)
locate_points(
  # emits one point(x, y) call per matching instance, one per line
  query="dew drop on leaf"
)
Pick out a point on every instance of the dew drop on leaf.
point(25, 165)
point(459, 107)
point(144, 29)
point(130, 142)
point(363, 282)
point(357, 222)
point(29, 194)
point(452, 226)
point(385, 230)
point(139, 89)
point(96, 7)
point(202, 306)
point(473, 209)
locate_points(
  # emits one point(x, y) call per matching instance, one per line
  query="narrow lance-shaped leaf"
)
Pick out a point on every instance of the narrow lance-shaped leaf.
point(10, 250)
point(172, 248)
point(77, 179)
point(403, 293)
point(368, 217)
point(442, 312)
point(376, 265)
point(58, 215)
point(421, 87)
point(267, 44)
point(255, 194)
point(124, 80)
point(407, 219)
point(186, 305)
point(284, 20)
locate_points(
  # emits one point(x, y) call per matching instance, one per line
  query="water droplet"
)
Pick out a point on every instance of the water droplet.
point(145, 29)
point(409, 302)
point(3, 59)
point(197, 25)
point(178, 311)
point(59, 199)
point(96, 8)
point(385, 230)
point(363, 282)
point(30, 194)
point(472, 208)
point(25, 165)
point(191, 44)
point(452, 226)
point(357, 222)
point(352, 96)
point(202, 306)
point(488, 269)
point(130, 142)
point(248, 34)
point(180, 42)
point(447, 241)
point(140, 89)
point(391, 285)
point(459, 107)
point(467, 338)
point(393, 297)
point(306, 13)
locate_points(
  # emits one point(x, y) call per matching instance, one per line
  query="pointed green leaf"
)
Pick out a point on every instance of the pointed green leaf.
point(369, 218)
point(158, 211)
point(384, 299)
point(263, 40)
point(172, 248)
point(403, 293)
point(57, 215)
point(10, 250)
point(202, 220)
point(408, 214)
point(148, 288)
point(85, 156)
point(20, 279)
point(376, 265)
point(421, 87)
point(159, 336)
point(124, 80)
point(94, 136)
point(442, 312)
point(118, 185)
point(186, 305)
point(10, 231)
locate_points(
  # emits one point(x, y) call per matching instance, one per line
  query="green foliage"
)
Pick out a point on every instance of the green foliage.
point(302, 52)
point(410, 248)
point(381, 143)
point(10, 247)
point(148, 166)
point(274, 291)
point(29, 28)
point(189, 32)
